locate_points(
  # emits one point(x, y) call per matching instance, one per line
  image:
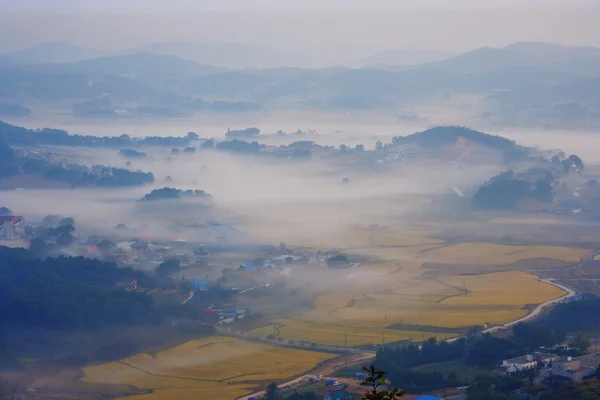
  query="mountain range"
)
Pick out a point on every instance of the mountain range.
point(522, 81)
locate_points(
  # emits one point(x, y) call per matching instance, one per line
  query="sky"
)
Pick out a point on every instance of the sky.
point(319, 28)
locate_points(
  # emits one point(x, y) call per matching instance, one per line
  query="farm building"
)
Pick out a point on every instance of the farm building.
point(199, 284)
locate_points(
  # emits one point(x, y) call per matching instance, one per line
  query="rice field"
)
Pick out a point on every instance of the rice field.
point(366, 310)
point(366, 301)
point(215, 368)
point(495, 254)
point(354, 335)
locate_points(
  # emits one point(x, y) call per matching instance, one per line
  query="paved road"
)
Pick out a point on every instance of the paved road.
point(327, 368)
point(568, 293)
point(190, 296)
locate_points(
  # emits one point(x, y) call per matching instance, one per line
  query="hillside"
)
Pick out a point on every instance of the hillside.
point(442, 136)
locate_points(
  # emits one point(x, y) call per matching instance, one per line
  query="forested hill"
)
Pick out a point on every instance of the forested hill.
point(69, 293)
point(441, 136)
point(22, 136)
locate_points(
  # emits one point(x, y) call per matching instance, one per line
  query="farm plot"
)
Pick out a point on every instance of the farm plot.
point(216, 368)
point(366, 311)
point(338, 335)
point(495, 254)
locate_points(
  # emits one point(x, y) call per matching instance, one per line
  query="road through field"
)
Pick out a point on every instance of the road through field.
point(327, 368)
point(568, 293)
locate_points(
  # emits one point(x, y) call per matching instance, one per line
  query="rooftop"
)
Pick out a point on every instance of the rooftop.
point(518, 360)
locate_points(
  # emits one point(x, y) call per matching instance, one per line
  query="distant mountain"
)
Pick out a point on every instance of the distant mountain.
point(403, 57)
point(51, 53)
point(552, 53)
point(573, 60)
point(138, 65)
point(227, 55)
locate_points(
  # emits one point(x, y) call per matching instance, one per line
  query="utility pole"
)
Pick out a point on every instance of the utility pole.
point(383, 338)
point(346, 348)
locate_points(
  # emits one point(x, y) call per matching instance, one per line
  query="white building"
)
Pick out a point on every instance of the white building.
point(519, 363)
point(11, 227)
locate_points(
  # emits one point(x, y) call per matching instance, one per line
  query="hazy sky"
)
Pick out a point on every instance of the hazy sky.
point(354, 27)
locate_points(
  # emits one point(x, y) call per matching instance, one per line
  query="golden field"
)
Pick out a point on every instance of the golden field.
point(495, 254)
point(333, 334)
point(215, 368)
point(372, 303)
point(389, 288)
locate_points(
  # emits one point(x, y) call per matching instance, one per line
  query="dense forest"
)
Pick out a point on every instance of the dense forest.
point(74, 293)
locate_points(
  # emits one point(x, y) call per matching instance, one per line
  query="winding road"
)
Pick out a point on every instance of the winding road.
point(358, 356)
point(538, 310)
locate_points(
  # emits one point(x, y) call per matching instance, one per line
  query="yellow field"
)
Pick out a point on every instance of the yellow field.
point(374, 302)
point(333, 335)
point(506, 289)
point(215, 368)
point(363, 302)
point(495, 254)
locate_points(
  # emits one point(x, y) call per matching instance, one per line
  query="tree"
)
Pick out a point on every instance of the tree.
point(192, 136)
point(374, 380)
point(581, 343)
point(5, 211)
point(106, 245)
point(38, 247)
point(272, 392)
point(452, 376)
point(209, 144)
point(379, 145)
point(67, 221)
point(168, 267)
point(573, 161)
point(302, 396)
point(339, 261)
point(185, 287)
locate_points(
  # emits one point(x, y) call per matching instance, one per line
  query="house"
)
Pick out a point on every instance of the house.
point(577, 369)
point(11, 227)
point(249, 267)
point(544, 358)
point(340, 395)
point(428, 397)
point(519, 363)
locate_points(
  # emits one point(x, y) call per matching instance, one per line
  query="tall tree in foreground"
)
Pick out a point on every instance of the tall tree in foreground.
point(375, 379)
point(272, 392)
